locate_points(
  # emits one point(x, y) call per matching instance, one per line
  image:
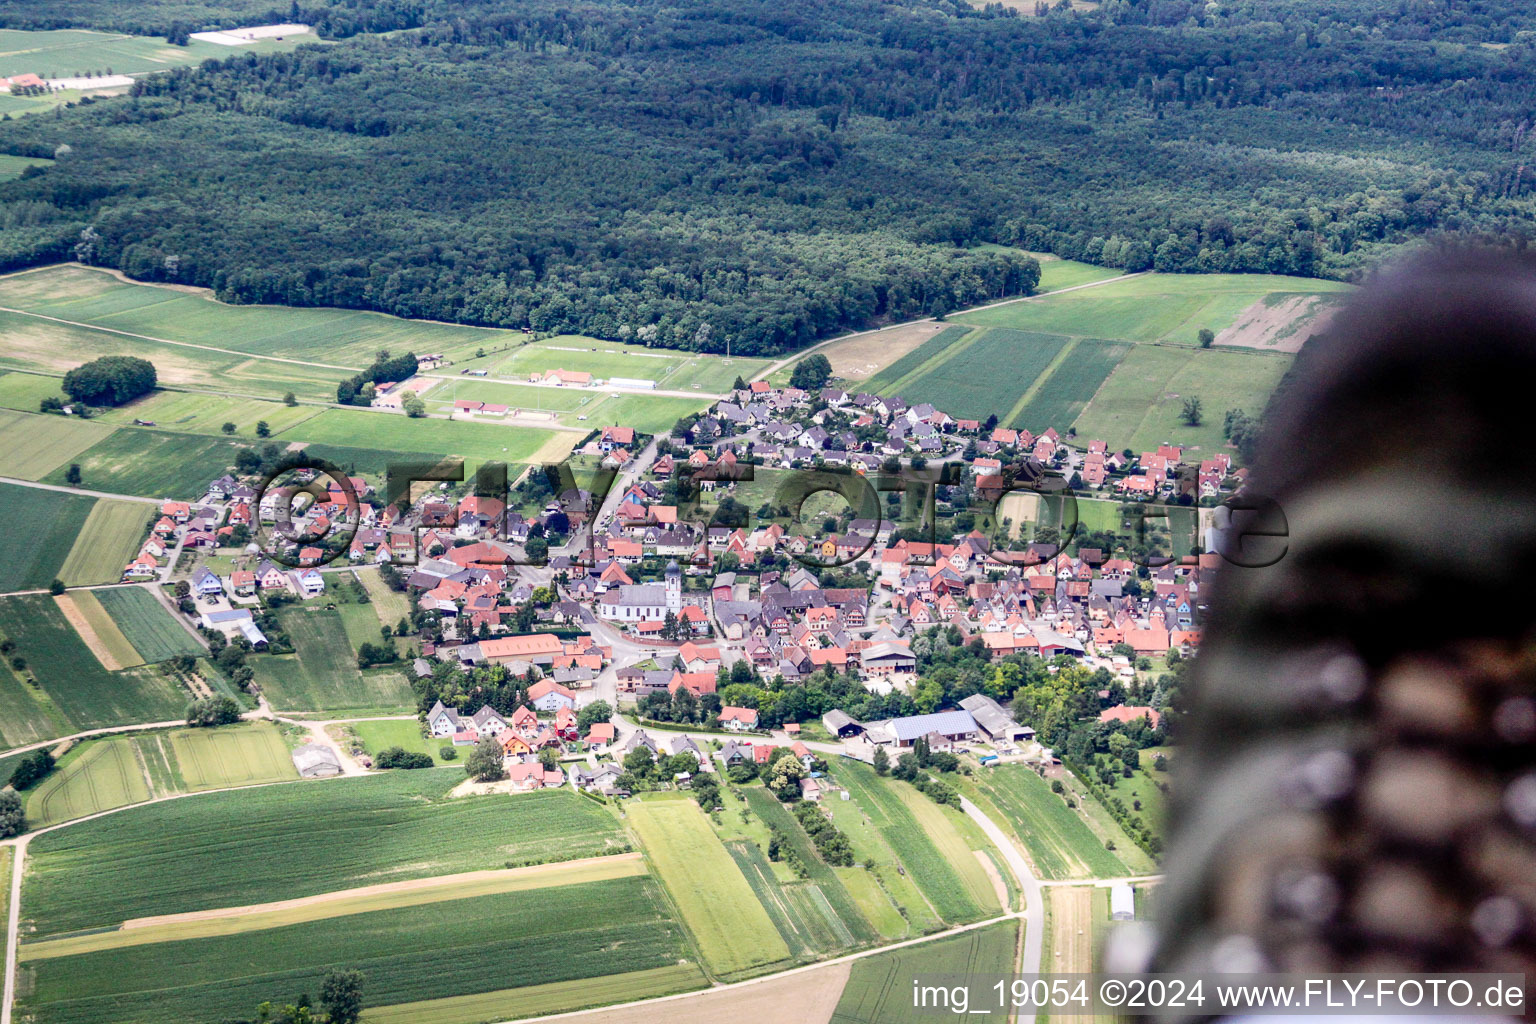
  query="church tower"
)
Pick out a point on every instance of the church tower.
point(674, 587)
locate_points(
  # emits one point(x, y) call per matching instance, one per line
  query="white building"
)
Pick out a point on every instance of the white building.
point(1122, 902)
point(644, 602)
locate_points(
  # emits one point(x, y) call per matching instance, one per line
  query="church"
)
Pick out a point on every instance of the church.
point(646, 602)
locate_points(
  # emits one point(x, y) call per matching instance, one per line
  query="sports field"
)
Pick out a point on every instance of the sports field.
point(45, 525)
point(107, 541)
point(196, 854)
point(1057, 838)
point(147, 624)
point(653, 414)
point(87, 695)
point(733, 931)
point(97, 776)
point(152, 463)
point(408, 954)
point(879, 988)
point(232, 755)
point(97, 629)
point(32, 445)
point(474, 442)
point(322, 673)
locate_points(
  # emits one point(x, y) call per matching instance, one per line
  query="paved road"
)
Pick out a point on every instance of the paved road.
point(1034, 897)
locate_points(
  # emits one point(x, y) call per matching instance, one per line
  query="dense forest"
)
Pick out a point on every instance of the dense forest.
point(775, 172)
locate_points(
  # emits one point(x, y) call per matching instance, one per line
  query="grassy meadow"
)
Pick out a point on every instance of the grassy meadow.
point(322, 673)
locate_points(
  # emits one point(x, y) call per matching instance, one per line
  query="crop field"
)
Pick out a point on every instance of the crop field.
point(24, 391)
point(234, 755)
point(536, 1000)
point(66, 53)
point(474, 442)
point(1168, 308)
point(957, 841)
point(1061, 397)
point(34, 343)
point(713, 898)
point(26, 714)
point(908, 366)
point(953, 881)
point(987, 376)
point(50, 522)
point(106, 542)
point(879, 988)
point(152, 463)
point(1140, 404)
point(408, 954)
point(198, 413)
point(88, 696)
point(195, 854)
point(1058, 840)
point(96, 628)
point(147, 624)
point(341, 337)
point(322, 674)
point(97, 776)
point(868, 352)
point(851, 925)
point(32, 445)
point(389, 604)
point(894, 877)
point(865, 891)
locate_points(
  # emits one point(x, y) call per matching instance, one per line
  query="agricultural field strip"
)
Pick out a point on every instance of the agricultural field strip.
point(345, 902)
point(1039, 383)
point(549, 998)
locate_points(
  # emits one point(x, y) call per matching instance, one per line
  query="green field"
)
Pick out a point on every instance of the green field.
point(114, 643)
point(66, 53)
point(88, 696)
point(49, 522)
point(198, 413)
point(515, 396)
point(153, 463)
point(33, 343)
point(987, 374)
point(196, 853)
point(535, 1000)
point(602, 359)
point(24, 391)
point(322, 674)
point(713, 898)
point(147, 624)
point(939, 861)
point(233, 755)
point(107, 541)
point(893, 877)
point(407, 953)
point(474, 442)
point(26, 714)
point(1060, 398)
point(649, 414)
point(1058, 840)
point(405, 733)
point(1140, 404)
point(94, 777)
point(12, 166)
point(1151, 307)
point(879, 988)
point(827, 910)
point(908, 366)
point(32, 446)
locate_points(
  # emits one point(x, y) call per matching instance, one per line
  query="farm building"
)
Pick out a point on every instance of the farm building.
point(996, 724)
point(840, 724)
point(1122, 902)
point(316, 761)
point(903, 732)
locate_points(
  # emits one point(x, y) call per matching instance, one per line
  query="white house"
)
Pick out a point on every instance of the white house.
point(548, 695)
point(443, 721)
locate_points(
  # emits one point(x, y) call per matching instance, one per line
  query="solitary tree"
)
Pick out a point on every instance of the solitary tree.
point(228, 428)
point(72, 475)
point(341, 995)
point(56, 587)
point(882, 761)
point(1192, 412)
point(289, 399)
point(263, 429)
point(1206, 336)
point(484, 764)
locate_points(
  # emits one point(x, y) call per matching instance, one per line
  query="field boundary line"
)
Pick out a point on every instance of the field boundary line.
point(974, 334)
point(167, 341)
point(1039, 382)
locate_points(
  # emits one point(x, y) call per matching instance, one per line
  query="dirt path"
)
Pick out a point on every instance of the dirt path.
point(362, 892)
point(13, 928)
point(318, 734)
point(809, 998)
point(86, 633)
point(996, 879)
